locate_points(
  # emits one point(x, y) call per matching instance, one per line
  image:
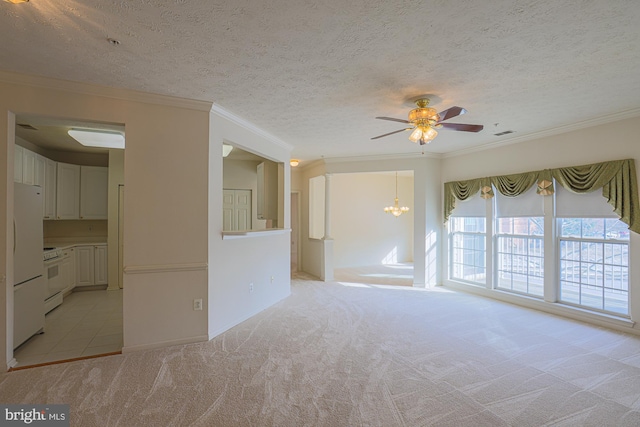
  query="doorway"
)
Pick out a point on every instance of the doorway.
point(86, 319)
point(371, 245)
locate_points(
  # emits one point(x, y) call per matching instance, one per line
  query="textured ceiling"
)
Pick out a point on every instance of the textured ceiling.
point(315, 73)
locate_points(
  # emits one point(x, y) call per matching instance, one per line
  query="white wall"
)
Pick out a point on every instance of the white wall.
point(166, 173)
point(363, 233)
point(613, 141)
point(263, 260)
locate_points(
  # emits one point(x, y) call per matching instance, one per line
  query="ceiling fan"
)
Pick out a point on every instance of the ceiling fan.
point(426, 120)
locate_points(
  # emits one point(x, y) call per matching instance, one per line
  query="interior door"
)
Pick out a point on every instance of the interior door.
point(243, 209)
point(236, 210)
point(228, 202)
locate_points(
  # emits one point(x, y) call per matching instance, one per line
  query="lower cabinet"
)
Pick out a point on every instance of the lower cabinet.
point(91, 265)
point(68, 267)
point(100, 267)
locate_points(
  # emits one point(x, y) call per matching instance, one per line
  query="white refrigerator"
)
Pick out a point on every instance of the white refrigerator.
point(28, 267)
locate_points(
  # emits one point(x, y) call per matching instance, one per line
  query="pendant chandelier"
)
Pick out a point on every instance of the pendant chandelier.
point(396, 210)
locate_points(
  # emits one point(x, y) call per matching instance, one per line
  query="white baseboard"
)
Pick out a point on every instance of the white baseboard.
point(575, 313)
point(13, 362)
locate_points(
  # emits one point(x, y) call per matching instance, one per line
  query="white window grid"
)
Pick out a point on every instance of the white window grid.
point(467, 254)
point(594, 273)
point(520, 255)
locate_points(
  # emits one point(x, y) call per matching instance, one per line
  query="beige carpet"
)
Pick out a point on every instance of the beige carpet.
point(400, 274)
point(340, 355)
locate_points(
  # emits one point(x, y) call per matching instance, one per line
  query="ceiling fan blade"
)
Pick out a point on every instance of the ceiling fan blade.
point(393, 120)
point(462, 127)
point(450, 113)
point(390, 133)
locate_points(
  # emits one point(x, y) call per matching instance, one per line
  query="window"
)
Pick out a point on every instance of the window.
point(553, 235)
point(520, 255)
point(594, 263)
point(468, 249)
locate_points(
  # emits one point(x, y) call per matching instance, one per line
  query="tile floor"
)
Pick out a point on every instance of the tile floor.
point(87, 323)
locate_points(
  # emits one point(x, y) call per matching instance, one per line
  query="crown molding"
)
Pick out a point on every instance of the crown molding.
point(375, 157)
point(103, 91)
point(628, 114)
point(371, 158)
point(218, 110)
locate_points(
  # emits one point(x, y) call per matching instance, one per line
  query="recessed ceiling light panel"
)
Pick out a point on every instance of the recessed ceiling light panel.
point(97, 138)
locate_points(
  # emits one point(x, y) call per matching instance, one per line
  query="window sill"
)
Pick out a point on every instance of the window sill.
point(230, 235)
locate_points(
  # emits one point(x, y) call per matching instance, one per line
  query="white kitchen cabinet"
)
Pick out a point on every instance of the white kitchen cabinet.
point(28, 167)
point(68, 269)
point(94, 184)
point(49, 198)
point(39, 177)
point(68, 191)
point(91, 265)
point(84, 265)
point(39, 170)
point(267, 191)
point(100, 268)
point(18, 155)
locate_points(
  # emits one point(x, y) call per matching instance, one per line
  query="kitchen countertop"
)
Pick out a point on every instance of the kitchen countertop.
point(66, 243)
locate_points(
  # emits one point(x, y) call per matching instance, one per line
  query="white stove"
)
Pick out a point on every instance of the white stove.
point(51, 253)
point(53, 259)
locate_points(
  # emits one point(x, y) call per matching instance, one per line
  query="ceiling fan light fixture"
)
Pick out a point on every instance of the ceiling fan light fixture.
point(416, 135)
point(425, 120)
point(429, 135)
point(423, 114)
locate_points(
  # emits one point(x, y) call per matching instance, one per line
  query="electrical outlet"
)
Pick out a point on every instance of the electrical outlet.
point(197, 304)
point(250, 287)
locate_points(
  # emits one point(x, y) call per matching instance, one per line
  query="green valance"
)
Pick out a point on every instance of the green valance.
point(617, 179)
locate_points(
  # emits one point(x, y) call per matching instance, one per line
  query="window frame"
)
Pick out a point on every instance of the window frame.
point(452, 249)
point(551, 262)
point(528, 238)
point(581, 240)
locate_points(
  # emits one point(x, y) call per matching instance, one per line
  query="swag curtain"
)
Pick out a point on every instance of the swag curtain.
point(617, 179)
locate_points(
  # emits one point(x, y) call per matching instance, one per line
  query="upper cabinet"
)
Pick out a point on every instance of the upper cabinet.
point(18, 155)
point(94, 184)
point(29, 167)
point(49, 199)
point(68, 191)
point(267, 197)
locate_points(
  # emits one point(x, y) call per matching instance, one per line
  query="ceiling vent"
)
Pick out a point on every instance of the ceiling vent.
point(506, 132)
point(26, 126)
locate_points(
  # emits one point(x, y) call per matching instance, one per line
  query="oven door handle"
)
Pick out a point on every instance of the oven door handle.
point(52, 260)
